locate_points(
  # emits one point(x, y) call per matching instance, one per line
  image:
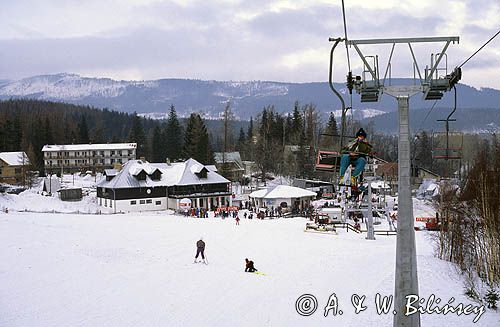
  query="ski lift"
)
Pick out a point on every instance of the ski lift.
point(448, 145)
point(328, 160)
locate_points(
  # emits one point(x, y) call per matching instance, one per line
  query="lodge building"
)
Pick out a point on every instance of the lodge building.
point(13, 166)
point(78, 157)
point(143, 186)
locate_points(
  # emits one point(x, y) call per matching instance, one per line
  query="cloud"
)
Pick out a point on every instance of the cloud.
point(232, 39)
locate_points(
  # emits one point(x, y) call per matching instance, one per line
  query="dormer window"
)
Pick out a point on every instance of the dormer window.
point(202, 173)
point(156, 175)
point(141, 175)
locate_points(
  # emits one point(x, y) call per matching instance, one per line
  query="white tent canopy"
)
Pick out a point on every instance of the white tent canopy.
point(282, 192)
point(51, 185)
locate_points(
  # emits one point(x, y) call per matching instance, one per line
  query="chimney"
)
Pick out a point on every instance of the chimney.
point(168, 161)
point(142, 159)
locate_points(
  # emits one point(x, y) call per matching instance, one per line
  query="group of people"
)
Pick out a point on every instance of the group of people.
point(197, 212)
point(200, 250)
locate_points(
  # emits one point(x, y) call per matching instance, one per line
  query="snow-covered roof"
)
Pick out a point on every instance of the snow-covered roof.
point(14, 158)
point(86, 147)
point(221, 157)
point(177, 173)
point(282, 192)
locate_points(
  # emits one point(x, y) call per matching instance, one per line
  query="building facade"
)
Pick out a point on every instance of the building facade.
point(230, 165)
point(80, 157)
point(144, 186)
point(13, 167)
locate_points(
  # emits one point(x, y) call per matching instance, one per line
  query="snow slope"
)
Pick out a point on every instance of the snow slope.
point(137, 270)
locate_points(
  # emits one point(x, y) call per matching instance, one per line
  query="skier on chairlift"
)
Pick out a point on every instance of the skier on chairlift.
point(355, 153)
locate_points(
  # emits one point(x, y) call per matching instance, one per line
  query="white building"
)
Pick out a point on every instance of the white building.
point(143, 186)
point(78, 157)
point(283, 196)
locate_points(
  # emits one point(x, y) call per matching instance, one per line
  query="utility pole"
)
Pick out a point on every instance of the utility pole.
point(370, 89)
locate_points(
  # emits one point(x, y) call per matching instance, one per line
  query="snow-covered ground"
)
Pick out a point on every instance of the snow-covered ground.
point(138, 270)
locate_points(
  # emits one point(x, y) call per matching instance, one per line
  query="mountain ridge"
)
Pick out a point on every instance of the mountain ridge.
point(153, 97)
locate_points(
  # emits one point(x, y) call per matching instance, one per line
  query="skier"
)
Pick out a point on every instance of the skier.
point(249, 266)
point(237, 220)
point(200, 249)
point(355, 153)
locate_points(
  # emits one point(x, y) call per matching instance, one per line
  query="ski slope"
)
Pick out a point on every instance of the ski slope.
point(138, 270)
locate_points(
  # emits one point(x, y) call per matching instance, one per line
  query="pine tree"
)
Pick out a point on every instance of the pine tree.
point(83, 131)
point(38, 137)
point(137, 135)
point(157, 146)
point(173, 136)
point(297, 124)
point(17, 133)
point(330, 141)
point(196, 141)
point(47, 129)
point(240, 145)
point(492, 298)
point(250, 146)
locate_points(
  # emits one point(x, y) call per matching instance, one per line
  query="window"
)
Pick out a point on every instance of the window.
point(133, 202)
point(142, 201)
point(158, 203)
point(148, 201)
point(112, 153)
point(110, 204)
point(112, 160)
point(105, 202)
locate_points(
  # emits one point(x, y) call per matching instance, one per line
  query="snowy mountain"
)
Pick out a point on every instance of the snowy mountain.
point(153, 98)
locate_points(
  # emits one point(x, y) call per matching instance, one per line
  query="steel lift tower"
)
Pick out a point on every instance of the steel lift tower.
point(431, 86)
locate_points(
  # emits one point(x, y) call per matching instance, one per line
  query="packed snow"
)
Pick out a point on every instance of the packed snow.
point(138, 270)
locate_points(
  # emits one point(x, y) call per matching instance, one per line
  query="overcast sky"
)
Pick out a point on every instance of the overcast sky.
point(237, 40)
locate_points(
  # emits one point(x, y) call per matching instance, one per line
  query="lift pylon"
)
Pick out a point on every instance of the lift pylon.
point(431, 86)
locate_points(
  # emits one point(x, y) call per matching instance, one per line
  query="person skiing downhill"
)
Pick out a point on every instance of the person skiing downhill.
point(249, 266)
point(200, 249)
point(355, 152)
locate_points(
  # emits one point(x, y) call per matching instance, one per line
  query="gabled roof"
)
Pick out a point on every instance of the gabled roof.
point(225, 157)
point(14, 158)
point(178, 173)
point(282, 192)
point(91, 147)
